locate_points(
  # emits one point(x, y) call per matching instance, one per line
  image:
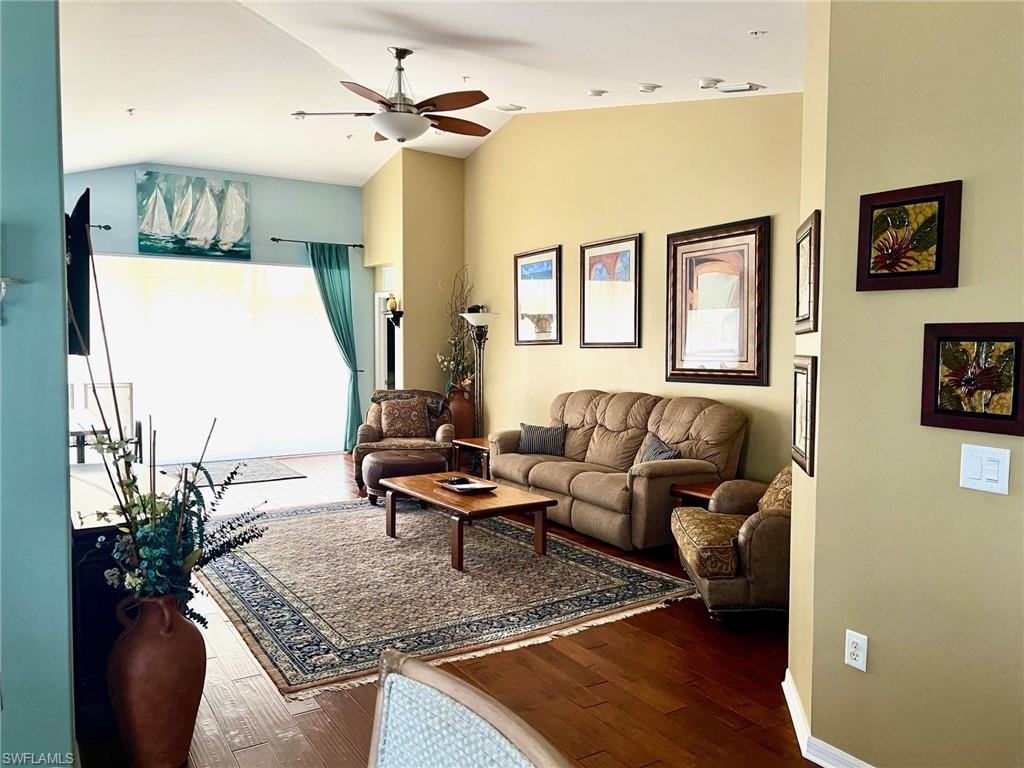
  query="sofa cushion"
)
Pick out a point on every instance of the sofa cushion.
point(546, 440)
point(576, 411)
point(700, 428)
point(707, 540)
point(515, 467)
point(404, 418)
point(779, 494)
point(558, 475)
point(604, 489)
point(621, 428)
point(656, 450)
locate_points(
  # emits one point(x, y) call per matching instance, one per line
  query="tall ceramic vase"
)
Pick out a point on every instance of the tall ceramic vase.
point(463, 412)
point(155, 673)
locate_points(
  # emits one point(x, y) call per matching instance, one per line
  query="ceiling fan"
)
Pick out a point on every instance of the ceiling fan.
point(402, 119)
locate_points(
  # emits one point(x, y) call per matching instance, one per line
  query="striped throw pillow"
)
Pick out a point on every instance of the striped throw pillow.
point(546, 440)
point(656, 450)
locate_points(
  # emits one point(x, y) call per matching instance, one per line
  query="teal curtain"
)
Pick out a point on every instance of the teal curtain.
point(334, 279)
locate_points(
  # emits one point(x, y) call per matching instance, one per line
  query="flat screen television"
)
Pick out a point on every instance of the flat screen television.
point(78, 253)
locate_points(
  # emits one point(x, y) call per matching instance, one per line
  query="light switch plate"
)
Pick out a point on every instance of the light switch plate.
point(985, 469)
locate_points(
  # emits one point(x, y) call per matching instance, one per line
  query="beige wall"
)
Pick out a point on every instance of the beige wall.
point(917, 93)
point(413, 221)
point(812, 197)
point(573, 177)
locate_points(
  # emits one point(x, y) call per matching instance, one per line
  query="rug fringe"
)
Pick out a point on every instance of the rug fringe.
point(547, 637)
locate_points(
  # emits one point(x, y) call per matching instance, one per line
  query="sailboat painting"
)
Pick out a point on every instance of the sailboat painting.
point(192, 215)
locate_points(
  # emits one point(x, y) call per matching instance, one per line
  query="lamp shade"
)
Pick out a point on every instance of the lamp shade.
point(479, 318)
point(400, 126)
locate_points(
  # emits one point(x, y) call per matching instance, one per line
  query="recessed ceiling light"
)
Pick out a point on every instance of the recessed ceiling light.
point(595, 92)
point(709, 82)
point(511, 107)
point(648, 87)
point(757, 34)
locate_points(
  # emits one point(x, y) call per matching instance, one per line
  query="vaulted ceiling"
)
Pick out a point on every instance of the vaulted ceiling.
point(211, 84)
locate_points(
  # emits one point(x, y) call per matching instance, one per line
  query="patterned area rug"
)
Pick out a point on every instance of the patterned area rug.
point(325, 591)
point(254, 471)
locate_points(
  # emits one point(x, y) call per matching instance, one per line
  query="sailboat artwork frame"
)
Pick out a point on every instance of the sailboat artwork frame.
point(181, 215)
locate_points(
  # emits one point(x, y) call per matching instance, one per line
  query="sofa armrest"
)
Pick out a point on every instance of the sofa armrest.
point(506, 441)
point(445, 433)
point(674, 468)
point(737, 497)
point(763, 545)
point(367, 433)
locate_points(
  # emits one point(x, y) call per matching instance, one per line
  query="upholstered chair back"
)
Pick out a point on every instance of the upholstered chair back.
point(438, 412)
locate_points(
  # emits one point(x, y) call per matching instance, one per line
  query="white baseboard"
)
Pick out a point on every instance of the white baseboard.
point(814, 749)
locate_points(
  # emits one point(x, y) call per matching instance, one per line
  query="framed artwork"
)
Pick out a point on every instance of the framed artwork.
point(972, 377)
point(805, 391)
point(910, 238)
point(192, 215)
point(538, 296)
point(808, 253)
point(610, 292)
point(717, 314)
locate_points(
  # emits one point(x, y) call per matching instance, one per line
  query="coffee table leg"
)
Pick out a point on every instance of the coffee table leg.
point(540, 531)
point(389, 513)
point(455, 532)
point(485, 464)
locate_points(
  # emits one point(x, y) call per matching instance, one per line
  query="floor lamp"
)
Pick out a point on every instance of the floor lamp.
point(480, 321)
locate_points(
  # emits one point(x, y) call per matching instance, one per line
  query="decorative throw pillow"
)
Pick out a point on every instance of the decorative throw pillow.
point(779, 494)
point(404, 418)
point(546, 440)
point(656, 450)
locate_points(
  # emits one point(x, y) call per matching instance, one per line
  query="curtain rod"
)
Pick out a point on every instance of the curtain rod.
point(288, 240)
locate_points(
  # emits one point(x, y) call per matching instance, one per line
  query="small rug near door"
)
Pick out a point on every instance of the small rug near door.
point(325, 591)
point(261, 470)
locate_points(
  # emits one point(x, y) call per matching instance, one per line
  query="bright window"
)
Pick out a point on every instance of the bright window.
point(247, 343)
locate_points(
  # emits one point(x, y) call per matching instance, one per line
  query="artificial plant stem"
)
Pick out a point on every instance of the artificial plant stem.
point(206, 444)
point(106, 350)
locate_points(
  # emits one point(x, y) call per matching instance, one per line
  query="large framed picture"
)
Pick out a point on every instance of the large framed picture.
point(805, 391)
point(910, 238)
point(717, 310)
point(808, 254)
point(538, 296)
point(972, 377)
point(610, 292)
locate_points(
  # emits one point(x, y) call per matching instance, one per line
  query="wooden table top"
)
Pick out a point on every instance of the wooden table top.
point(482, 443)
point(697, 490)
point(500, 501)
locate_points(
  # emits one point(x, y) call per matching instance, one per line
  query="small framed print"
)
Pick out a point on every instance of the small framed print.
point(717, 313)
point(610, 292)
point(808, 253)
point(538, 296)
point(805, 391)
point(972, 377)
point(910, 238)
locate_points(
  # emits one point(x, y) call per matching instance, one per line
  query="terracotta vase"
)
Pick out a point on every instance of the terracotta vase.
point(463, 412)
point(155, 673)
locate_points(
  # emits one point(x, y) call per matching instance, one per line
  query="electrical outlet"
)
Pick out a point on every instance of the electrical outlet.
point(856, 650)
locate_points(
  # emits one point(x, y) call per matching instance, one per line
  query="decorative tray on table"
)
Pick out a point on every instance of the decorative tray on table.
point(466, 485)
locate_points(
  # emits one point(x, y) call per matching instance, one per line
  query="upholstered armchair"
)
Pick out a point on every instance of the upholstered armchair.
point(737, 550)
point(403, 420)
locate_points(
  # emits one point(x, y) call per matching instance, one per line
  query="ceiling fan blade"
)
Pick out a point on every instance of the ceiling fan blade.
point(378, 137)
point(456, 125)
point(448, 102)
point(366, 93)
point(301, 114)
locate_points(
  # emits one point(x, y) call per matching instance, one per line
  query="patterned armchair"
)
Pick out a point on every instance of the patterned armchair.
point(395, 422)
point(737, 550)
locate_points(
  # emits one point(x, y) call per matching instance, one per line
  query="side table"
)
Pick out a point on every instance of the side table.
point(694, 494)
point(479, 444)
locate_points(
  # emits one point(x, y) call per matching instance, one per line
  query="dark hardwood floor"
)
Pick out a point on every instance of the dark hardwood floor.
point(668, 687)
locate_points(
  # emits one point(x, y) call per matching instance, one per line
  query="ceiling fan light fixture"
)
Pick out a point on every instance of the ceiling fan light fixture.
point(400, 126)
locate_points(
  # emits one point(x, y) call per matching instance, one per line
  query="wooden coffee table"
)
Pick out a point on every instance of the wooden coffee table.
point(463, 508)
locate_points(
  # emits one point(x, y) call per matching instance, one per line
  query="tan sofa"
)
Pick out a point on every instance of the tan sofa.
point(437, 436)
point(601, 486)
point(737, 550)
